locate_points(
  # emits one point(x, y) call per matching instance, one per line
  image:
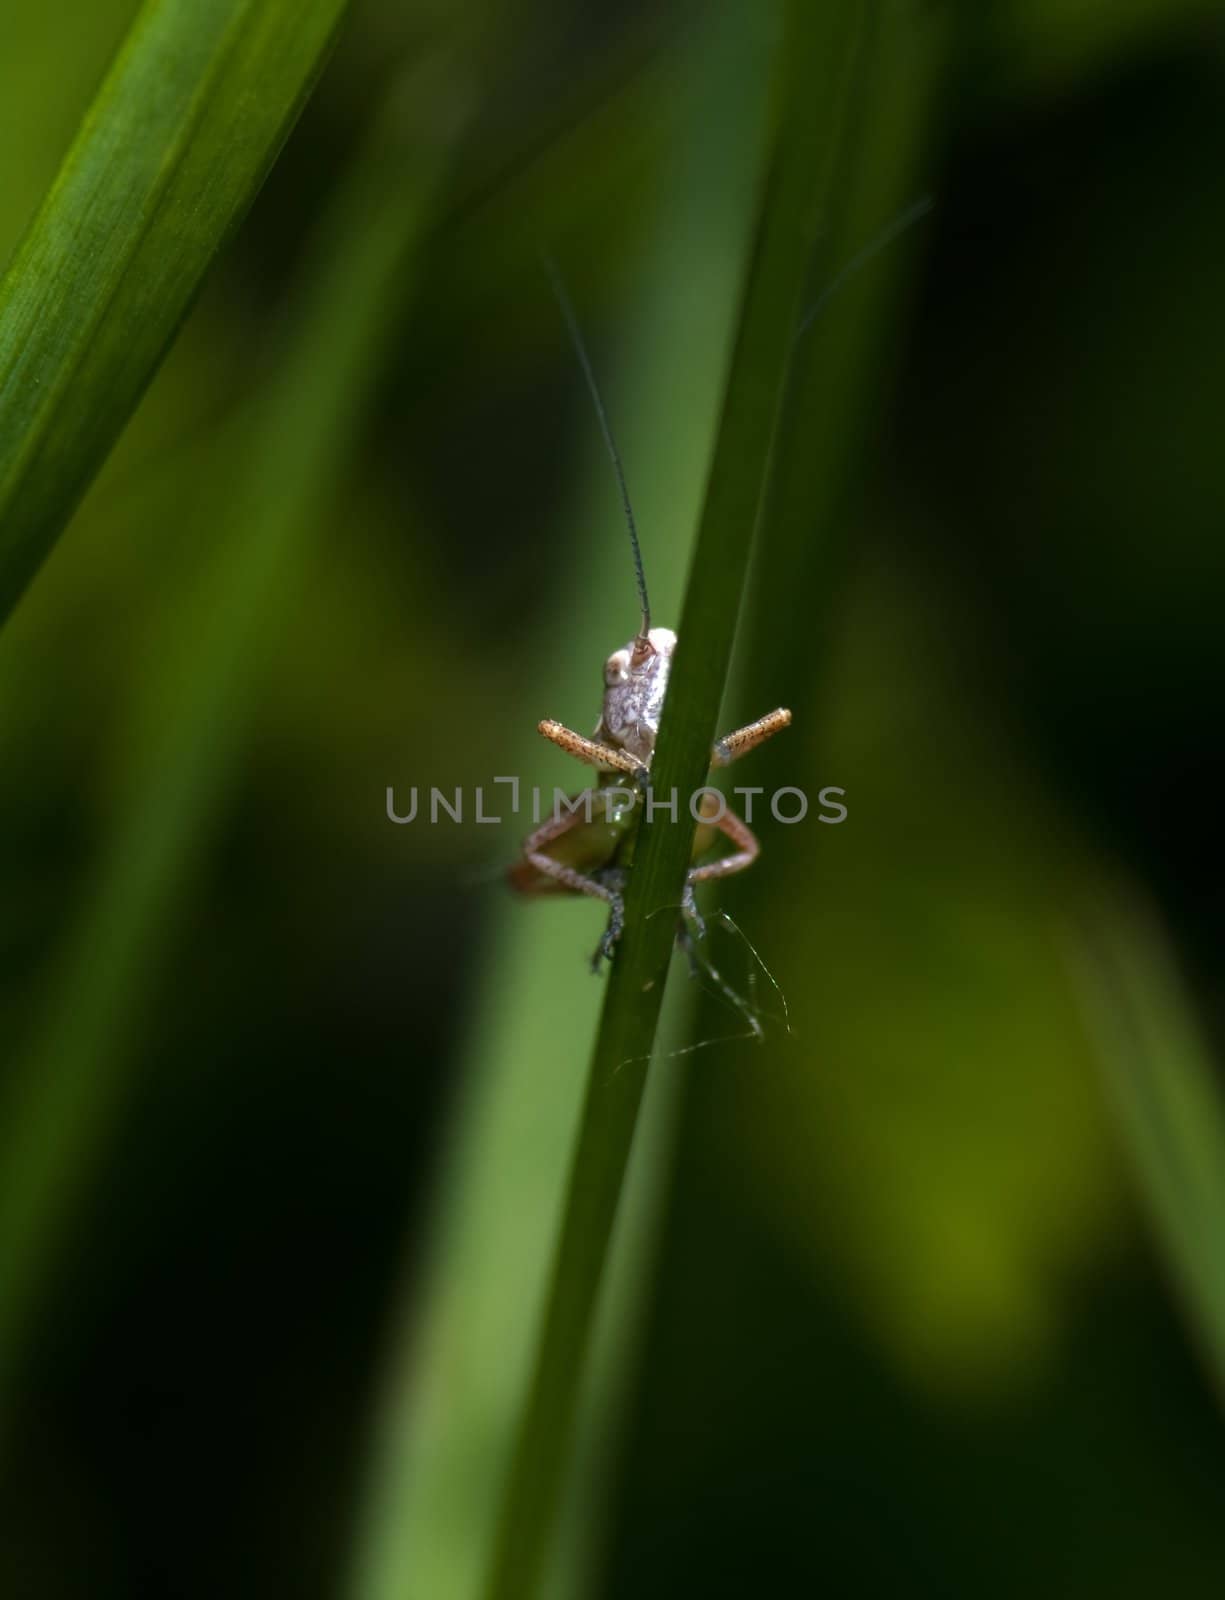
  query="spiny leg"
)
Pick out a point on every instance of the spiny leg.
point(690, 912)
point(592, 751)
point(746, 852)
point(613, 881)
point(734, 745)
point(605, 885)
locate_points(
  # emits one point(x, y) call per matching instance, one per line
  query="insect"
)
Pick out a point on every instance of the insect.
point(579, 849)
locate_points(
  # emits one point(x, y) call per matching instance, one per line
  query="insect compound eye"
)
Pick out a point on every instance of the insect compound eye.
point(616, 669)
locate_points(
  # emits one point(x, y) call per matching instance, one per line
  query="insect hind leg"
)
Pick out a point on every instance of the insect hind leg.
point(701, 966)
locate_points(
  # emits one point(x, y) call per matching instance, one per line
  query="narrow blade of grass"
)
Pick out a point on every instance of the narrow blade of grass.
point(72, 1077)
point(878, 221)
point(170, 155)
point(450, 1400)
point(820, 52)
point(1167, 1095)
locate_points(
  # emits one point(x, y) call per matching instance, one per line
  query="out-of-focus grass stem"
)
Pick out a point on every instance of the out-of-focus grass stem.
point(170, 155)
point(191, 726)
point(1167, 1096)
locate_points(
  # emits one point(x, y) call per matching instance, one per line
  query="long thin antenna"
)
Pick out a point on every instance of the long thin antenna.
point(576, 338)
point(891, 231)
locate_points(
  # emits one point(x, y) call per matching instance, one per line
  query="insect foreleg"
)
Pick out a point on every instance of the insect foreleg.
point(591, 751)
point(734, 745)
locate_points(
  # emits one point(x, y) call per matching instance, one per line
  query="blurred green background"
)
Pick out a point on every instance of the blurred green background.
point(888, 1314)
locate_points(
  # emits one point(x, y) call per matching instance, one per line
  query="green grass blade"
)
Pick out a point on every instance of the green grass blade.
point(821, 52)
point(191, 724)
point(451, 1397)
point(1167, 1097)
point(170, 155)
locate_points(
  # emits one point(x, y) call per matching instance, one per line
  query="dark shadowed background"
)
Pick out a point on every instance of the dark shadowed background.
point(891, 1318)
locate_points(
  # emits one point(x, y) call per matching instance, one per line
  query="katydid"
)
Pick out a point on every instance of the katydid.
point(579, 849)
